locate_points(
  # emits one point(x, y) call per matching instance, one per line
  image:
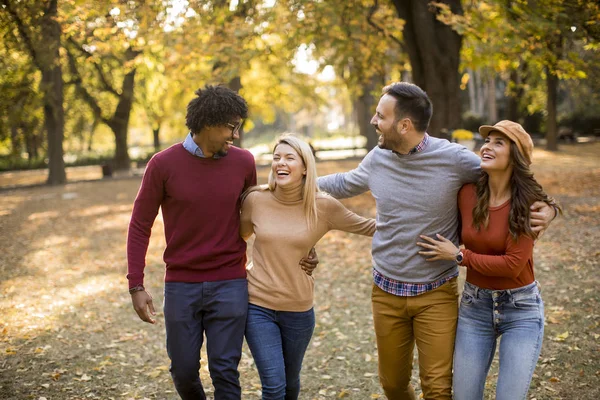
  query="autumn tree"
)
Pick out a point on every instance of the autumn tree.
point(21, 106)
point(160, 91)
point(555, 25)
point(103, 50)
point(357, 40)
point(225, 36)
point(35, 26)
point(434, 52)
point(248, 47)
point(530, 42)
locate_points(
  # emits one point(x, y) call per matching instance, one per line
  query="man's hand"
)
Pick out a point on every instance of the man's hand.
point(308, 264)
point(142, 304)
point(541, 216)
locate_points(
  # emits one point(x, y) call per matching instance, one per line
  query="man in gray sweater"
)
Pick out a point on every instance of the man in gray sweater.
point(415, 179)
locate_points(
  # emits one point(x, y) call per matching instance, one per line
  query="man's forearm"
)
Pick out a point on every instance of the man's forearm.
point(337, 186)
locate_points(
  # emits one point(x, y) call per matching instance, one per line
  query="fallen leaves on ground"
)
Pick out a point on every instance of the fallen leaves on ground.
point(68, 331)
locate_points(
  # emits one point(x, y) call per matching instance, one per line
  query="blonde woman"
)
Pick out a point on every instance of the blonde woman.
point(288, 217)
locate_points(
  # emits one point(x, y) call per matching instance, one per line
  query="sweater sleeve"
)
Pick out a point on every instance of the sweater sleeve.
point(145, 209)
point(508, 265)
point(340, 218)
point(251, 175)
point(469, 165)
point(348, 184)
point(246, 225)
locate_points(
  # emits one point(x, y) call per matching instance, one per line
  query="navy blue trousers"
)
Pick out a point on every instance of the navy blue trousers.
point(217, 310)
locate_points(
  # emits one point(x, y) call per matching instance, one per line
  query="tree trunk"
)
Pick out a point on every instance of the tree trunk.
point(45, 53)
point(236, 84)
point(472, 93)
point(480, 89)
point(91, 134)
point(52, 87)
point(492, 106)
point(513, 97)
point(434, 52)
point(32, 144)
point(119, 123)
point(551, 126)
point(364, 109)
point(555, 45)
point(155, 136)
point(16, 146)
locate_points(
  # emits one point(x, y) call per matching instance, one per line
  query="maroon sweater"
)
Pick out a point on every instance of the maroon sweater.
point(200, 201)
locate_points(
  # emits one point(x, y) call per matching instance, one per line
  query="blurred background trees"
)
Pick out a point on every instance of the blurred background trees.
point(107, 81)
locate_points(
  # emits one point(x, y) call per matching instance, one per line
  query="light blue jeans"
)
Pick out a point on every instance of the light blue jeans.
point(278, 341)
point(515, 315)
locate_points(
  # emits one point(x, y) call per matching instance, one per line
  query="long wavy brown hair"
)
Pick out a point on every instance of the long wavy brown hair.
point(525, 190)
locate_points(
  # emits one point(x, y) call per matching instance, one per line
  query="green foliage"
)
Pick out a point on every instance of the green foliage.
point(252, 47)
point(21, 112)
point(360, 39)
point(534, 38)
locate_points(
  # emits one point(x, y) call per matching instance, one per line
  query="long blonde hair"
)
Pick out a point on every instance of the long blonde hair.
point(310, 188)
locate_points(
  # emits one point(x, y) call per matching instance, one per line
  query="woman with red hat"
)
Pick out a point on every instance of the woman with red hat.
point(501, 297)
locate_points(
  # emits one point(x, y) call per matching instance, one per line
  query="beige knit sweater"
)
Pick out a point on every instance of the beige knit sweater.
point(276, 280)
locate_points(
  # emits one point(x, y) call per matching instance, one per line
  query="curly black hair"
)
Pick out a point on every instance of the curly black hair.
point(215, 105)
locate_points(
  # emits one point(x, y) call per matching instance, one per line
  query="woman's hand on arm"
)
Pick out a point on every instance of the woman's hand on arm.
point(441, 249)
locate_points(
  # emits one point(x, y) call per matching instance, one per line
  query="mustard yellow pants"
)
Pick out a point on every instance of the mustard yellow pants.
point(429, 320)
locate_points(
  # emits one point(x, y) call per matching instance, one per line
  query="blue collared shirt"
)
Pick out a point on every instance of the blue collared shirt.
point(193, 148)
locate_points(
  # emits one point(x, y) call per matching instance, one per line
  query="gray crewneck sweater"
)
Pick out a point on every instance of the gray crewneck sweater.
point(416, 194)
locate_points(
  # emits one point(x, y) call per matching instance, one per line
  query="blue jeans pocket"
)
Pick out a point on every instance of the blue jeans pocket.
point(530, 301)
point(467, 299)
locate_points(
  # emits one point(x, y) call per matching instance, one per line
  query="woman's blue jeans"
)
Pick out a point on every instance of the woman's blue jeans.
point(515, 315)
point(278, 341)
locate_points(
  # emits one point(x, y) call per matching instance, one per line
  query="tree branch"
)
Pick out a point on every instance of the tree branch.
point(87, 97)
point(52, 6)
point(105, 84)
point(23, 33)
point(372, 10)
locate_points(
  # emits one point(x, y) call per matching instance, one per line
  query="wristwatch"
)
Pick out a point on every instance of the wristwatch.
point(136, 288)
point(459, 257)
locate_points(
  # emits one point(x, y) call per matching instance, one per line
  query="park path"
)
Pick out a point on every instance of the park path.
point(67, 329)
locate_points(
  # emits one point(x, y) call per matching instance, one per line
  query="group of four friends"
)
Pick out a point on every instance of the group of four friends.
point(430, 196)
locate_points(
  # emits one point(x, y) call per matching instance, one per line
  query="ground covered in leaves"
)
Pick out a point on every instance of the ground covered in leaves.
point(68, 331)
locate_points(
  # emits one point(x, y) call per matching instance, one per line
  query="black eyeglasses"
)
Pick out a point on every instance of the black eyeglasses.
point(236, 127)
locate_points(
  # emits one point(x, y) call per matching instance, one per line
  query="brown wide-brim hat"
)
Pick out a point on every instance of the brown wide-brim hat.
point(514, 132)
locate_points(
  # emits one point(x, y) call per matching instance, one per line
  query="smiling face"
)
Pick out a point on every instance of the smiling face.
point(385, 123)
point(287, 167)
point(218, 139)
point(495, 153)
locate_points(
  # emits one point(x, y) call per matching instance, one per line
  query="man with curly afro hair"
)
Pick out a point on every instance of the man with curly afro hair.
point(197, 184)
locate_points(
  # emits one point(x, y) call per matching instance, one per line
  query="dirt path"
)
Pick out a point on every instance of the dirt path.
point(67, 329)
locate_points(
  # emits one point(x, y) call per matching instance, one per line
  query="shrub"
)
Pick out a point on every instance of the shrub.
point(472, 122)
point(580, 123)
point(462, 134)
